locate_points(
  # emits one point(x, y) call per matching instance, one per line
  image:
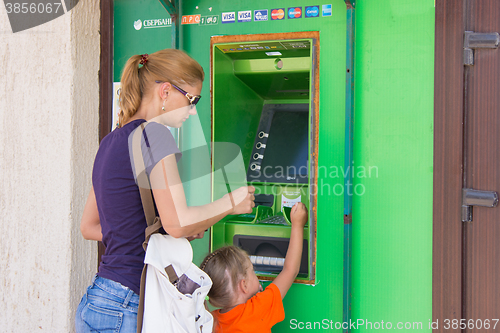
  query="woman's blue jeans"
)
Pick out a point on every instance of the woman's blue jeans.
point(107, 307)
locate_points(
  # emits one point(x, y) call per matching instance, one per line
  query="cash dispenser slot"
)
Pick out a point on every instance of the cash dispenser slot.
point(268, 253)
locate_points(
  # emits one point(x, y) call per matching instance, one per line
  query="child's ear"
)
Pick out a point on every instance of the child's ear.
point(243, 286)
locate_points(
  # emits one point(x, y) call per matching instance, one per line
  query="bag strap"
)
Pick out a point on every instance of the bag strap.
point(140, 309)
point(172, 275)
point(153, 221)
point(142, 177)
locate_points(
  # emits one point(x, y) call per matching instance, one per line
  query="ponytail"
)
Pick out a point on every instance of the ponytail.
point(131, 90)
point(168, 65)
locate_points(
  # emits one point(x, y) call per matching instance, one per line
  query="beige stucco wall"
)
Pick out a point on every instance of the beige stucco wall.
point(48, 139)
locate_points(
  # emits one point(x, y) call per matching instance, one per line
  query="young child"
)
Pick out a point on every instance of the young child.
point(236, 290)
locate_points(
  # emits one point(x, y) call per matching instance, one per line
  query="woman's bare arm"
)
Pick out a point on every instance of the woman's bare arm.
point(90, 225)
point(180, 220)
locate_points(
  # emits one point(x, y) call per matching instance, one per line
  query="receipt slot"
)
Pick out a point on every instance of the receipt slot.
point(265, 101)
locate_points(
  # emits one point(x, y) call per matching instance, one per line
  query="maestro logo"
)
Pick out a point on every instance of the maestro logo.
point(294, 12)
point(312, 11)
point(278, 14)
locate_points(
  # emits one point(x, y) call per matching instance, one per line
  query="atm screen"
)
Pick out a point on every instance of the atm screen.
point(287, 148)
point(284, 157)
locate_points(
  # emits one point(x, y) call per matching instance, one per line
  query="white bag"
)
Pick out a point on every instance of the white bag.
point(173, 289)
point(166, 309)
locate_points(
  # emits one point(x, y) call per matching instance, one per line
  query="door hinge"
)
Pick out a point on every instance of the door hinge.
point(472, 197)
point(478, 40)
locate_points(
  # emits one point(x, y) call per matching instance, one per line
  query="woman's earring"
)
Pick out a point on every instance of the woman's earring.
point(163, 107)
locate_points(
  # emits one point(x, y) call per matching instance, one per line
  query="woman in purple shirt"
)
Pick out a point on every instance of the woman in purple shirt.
point(165, 85)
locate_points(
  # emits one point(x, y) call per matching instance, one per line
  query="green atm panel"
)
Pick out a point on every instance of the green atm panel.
point(276, 76)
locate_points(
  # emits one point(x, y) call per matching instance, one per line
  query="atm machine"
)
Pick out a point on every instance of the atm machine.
point(265, 101)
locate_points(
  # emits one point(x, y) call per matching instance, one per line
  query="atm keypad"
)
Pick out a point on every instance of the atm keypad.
point(278, 219)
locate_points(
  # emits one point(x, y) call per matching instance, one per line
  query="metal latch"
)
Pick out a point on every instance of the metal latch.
point(472, 197)
point(477, 40)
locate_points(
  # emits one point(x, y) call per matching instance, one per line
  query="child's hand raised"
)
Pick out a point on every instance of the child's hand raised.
point(291, 268)
point(298, 215)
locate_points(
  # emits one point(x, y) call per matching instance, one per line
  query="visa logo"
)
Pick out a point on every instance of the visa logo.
point(312, 11)
point(245, 16)
point(228, 17)
point(260, 15)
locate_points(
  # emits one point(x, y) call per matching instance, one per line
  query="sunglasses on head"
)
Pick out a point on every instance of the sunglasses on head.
point(193, 99)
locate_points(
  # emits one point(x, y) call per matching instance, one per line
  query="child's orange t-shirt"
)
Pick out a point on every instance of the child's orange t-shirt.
point(258, 314)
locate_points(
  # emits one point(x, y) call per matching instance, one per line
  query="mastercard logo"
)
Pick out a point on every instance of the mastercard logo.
point(295, 12)
point(278, 14)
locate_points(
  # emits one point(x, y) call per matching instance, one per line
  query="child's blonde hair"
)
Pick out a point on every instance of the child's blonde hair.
point(226, 267)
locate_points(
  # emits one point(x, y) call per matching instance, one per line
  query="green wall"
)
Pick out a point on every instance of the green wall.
point(393, 130)
point(393, 136)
